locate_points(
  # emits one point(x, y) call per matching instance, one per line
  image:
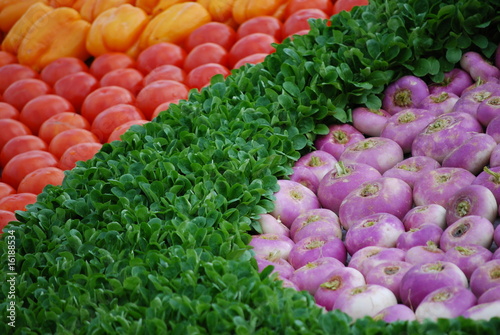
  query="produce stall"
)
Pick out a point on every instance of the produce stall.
point(167, 229)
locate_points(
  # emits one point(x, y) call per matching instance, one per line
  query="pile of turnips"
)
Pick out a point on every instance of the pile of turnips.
point(395, 215)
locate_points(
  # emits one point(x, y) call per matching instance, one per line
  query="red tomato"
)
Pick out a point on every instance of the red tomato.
point(108, 62)
point(11, 73)
point(7, 58)
point(157, 92)
point(20, 144)
point(300, 32)
point(19, 166)
point(17, 202)
point(121, 129)
point(347, 5)
point(75, 87)
point(298, 20)
point(128, 78)
point(205, 53)
point(62, 141)
point(38, 110)
point(60, 122)
point(7, 111)
point(200, 76)
point(24, 90)
point(261, 24)
point(296, 5)
point(112, 117)
point(34, 182)
point(5, 218)
point(10, 129)
point(6, 189)
point(163, 106)
point(251, 44)
point(61, 67)
point(166, 71)
point(103, 98)
point(160, 54)
point(215, 32)
point(252, 59)
point(78, 152)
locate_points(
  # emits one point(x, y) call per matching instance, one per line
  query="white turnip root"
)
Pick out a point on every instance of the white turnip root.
point(472, 229)
point(338, 138)
point(318, 221)
point(471, 200)
point(271, 246)
point(369, 121)
point(428, 214)
point(410, 168)
point(486, 311)
point(446, 302)
point(419, 236)
point(468, 257)
point(271, 225)
point(455, 81)
point(405, 92)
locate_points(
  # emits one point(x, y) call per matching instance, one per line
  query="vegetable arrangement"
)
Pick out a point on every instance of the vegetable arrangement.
point(152, 234)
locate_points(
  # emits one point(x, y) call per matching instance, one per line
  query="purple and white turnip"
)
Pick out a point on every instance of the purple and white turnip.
point(410, 169)
point(446, 302)
point(424, 253)
point(468, 257)
point(471, 229)
point(369, 121)
point(338, 138)
point(471, 200)
point(405, 92)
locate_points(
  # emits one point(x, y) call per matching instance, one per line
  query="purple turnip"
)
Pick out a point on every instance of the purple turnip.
point(424, 278)
point(496, 236)
point(444, 134)
point(478, 67)
point(313, 274)
point(338, 138)
point(405, 92)
point(468, 257)
point(286, 283)
point(271, 246)
point(419, 236)
point(471, 98)
point(490, 178)
point(383, 195)
point(488, 110)
point(365, 259)
point(485, 311)
point(365, 300)
point(312, 248)
point(271, 225)
point(319, 221)
point(339, 182)
point(490, 295)
point(410, 169)
point(439, 103)
point(439, 185)
point(485, 277)
point(495, 157)
point(424, 253)
point(493, 129)
point(292, 199)
point(379, 152)
point(471, 200)
point(446, 302)
point(455, 81)
point(429, 214)
point(369, 121)
point(318, 161)
point(306, 177)
point(496, 254)
point(388, 274)
point(380, 229)
point(339, 279)
point(281, 267)
point(394, 313)
point(472, 229)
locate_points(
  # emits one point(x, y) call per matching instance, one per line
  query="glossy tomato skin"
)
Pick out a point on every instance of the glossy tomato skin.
point(103, 98)
point(121, 129)
point(17, 202)
point(6, 189)
point(60, 122)
point(160, 54)
point(11, 73)
point(20, 144)
point(299, 20)
point(200, 76)
point(296, 5)
point(108, 62)
point(128, 78)
point(7, 111)
point(212, 32)
point(163, 106)
point(205, 53)
point(41, 108)
point(61, 67)
point(251, 59)
point(10, 129)
point(261, 24)
point(347, 5)
point(34, 182)
point(20, 165)
point(251, 44)
point(76, 153)
point(158, 92)
point(76, 87)
point(112, 117)
point(62, 141)
point(167, 71)
point(7, 58)
point(5, 218)
point(24, 90)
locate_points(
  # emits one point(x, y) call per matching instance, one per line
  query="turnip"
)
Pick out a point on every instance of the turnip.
point(369, 121)
point(319, 221)
point(471, 229)
point(367, 258)
point(379, 229)
point(471, 98)
point(419, 236)
point(306, 177)
point(496, 236)
point(379, 152)
point(478, 68)
point(405, 125)
point(339, 280)
point(292, 199)
point(446, 302)
point(410, 169)
point(444, 134)
point(485, 311)
point(365, 300)
point(313, 274)
point(493, 129)
point(394, 313)
point(497, 57)
point(318, 161)
point(488, 110)
point(271, 246)
point(489, 84)
point(312, 248)
point(495, 156)
point(496, 254)
point(428, 214)
point(338, 138)
point(424, 278)
point(439, 103)
point(286, 283)
point(271, 225)
point(388, 274)
point(485, 277)
point(424, 253)
point(383, 195)
point(405, 92)
point(455, 81)
point(339, 182)
point(490, 295)
point(471, 155)
point(468, 257)
point(439, 185)
point(471, 200)
point(281, 267)
point(490, 178)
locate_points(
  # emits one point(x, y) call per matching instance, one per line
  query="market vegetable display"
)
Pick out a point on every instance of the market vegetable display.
point(153, 232)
